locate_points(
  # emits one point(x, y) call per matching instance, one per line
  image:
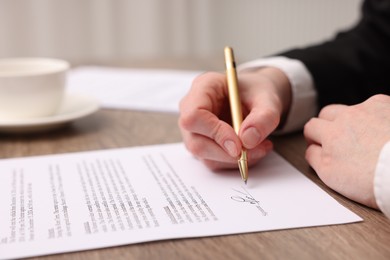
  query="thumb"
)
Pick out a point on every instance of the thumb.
point(259, 123)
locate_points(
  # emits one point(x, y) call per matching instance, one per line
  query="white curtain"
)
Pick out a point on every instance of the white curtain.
point(104, 30)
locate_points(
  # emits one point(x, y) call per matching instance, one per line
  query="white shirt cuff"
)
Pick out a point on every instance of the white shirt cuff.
point(382, 180)
point(304, 95)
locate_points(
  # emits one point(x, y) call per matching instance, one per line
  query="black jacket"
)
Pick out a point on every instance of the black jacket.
point(356, 64)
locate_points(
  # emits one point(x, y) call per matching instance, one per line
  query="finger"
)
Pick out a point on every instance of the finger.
point(217, 165)
point(315, 129)
point(208, 91)
point(200, 110)
point(254, 156)
point(330, 112)
point(258, 152)
point(313, 156)
point(206, 124)
point(206, 149)
point(257, 125)
point(263, 118)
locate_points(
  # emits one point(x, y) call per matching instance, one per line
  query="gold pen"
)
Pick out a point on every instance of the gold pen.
point(235, 107)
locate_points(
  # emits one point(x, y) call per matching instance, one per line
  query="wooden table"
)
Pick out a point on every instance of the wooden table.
point(117, 128)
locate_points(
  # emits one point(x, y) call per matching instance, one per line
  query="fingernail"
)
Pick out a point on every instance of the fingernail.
point(251, 137)
point(230, 146)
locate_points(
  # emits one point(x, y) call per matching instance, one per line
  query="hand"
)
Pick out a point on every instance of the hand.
point(344, 144)
point(205, 116)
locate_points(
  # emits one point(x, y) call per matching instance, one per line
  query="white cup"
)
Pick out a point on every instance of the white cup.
point(31, 87)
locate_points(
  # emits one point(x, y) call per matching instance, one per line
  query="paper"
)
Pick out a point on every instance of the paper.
point(70, 202)
point(148, 90)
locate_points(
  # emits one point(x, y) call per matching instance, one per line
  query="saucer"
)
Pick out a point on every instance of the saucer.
point(75, 106)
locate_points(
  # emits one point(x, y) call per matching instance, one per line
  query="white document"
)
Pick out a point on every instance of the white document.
point(148, 90)
point(70, 202)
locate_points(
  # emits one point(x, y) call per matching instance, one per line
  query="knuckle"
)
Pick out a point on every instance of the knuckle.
point(325, 110)
point(187, 120)
point(307, 126)
point(217, 133)
point(206, 77)
point(221, 133)
point(380, 98)
point(183, 103)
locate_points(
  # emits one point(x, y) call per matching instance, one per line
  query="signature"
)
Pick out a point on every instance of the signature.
point(244, 196)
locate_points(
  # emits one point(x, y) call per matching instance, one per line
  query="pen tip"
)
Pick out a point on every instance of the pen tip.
point(245, 182)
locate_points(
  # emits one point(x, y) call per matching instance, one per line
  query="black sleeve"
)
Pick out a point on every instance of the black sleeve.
point(356, 64)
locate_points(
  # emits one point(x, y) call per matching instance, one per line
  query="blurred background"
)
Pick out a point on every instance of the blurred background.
point(95, 31)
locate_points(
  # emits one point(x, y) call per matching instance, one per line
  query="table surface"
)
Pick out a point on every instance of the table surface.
point(107, 129)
